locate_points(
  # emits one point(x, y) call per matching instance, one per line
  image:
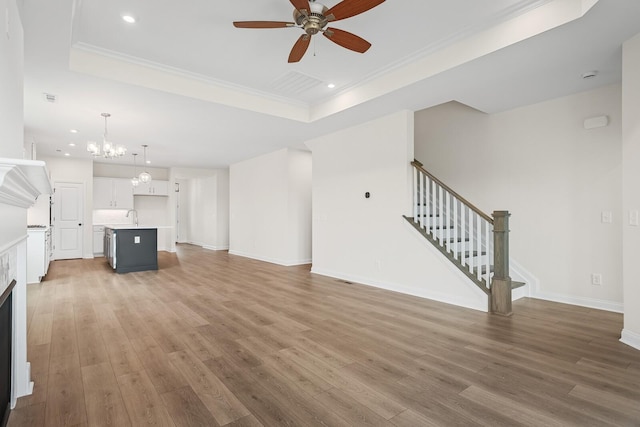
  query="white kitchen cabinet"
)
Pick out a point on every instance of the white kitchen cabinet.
point(112, 193)
point(98, 240)
point(38, 253)
point(153, 188)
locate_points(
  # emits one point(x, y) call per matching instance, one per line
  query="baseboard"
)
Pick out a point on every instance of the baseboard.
point(216, 248)
point(630, 338)
point(616, 307)
point(394, 287)
point(88, 256)
point(286, 263)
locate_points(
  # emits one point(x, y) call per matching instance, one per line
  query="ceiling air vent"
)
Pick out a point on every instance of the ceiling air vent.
point(295, 83)
point(49, 97)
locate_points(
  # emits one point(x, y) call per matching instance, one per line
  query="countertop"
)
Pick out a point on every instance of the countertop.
point(134, 227)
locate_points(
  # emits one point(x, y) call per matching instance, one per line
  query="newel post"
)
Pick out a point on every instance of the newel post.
point(501, 283)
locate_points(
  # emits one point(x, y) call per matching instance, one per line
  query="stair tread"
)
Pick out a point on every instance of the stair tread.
point(516, 285)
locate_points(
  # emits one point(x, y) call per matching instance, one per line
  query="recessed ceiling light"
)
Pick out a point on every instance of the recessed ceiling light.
point(148, 162)
point(71, 144)
point(73, 130)
point(67, 154)
point(331, 85)
point(129, 19)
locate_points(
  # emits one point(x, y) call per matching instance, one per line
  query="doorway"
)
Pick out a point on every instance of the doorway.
point(68, 219)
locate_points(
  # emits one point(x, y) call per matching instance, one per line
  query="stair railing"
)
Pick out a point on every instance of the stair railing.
point(463, 233)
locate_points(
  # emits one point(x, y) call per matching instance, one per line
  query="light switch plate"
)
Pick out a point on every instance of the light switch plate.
point(136, 239)
point(633, 218)
point(607, 217)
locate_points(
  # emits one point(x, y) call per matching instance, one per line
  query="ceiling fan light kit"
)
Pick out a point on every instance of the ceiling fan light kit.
point(312, 17)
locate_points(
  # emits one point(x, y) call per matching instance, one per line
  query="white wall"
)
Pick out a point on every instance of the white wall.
point(299, 217)
point(368, 240)
point(202, 217)
point(555, 177)
point(222, 213)
point(78, 171)
point(14, 222)
point(631, 189)
point(269, 207)
point(204, 206)
point(11, 82)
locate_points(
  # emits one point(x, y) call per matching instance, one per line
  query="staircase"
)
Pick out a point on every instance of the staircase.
point(476, 243)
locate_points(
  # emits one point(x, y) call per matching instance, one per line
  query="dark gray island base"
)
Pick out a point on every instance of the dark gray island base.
point(132, 249)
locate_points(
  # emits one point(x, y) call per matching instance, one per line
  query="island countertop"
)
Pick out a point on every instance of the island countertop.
point(135, 227)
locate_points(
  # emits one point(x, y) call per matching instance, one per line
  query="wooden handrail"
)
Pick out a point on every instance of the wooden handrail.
point(416, 164)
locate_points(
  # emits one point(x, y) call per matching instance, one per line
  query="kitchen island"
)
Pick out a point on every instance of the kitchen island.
point(131, 248)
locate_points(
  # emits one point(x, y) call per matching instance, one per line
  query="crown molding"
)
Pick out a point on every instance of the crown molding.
point(104, 63)
point(22, 181)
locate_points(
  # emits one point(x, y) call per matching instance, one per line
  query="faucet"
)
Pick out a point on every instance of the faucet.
point(134, 217)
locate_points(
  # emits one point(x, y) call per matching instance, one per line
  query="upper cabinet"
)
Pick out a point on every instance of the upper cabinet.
point(153, 188)
point(112, 193)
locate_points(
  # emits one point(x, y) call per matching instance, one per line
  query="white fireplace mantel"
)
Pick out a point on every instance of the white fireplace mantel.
point(22, 181)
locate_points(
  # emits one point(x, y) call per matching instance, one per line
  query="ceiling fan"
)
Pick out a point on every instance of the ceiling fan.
point(313, 17)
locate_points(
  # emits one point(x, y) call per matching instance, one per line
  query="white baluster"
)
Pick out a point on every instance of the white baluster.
point(426, 210)
point(440, 214)
point(470, 244)
point(421, 201)
point(455, 227)
point(479, 244)
point(487, 258)
point(449, 226)
point(433, 210)
point(463, 232)
point(416, 175)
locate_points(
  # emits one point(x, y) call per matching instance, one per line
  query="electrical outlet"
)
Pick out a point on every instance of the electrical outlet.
point(136, 239)
point(596, 279)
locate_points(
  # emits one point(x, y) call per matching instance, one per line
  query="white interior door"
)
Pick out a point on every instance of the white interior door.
point(68, 208)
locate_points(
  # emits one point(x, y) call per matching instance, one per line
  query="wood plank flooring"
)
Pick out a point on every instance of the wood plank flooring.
point(211, 339)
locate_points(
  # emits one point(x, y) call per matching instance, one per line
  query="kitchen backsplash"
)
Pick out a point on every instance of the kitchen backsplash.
point(110, 216)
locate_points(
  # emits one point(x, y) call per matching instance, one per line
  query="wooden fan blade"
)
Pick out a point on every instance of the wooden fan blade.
point(301, 5)
point(348, 8)
point(347, 40)
point(299, 48)
point(262, 24)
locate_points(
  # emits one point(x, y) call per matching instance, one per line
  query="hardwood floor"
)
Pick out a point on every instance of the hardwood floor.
point(211, 339)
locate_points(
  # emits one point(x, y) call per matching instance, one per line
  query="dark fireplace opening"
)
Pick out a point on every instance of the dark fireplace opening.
point(6, 320)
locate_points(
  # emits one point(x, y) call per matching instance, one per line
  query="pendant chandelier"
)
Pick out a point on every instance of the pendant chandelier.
point(135, 181)
point(108, 150)
point(145, 176)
